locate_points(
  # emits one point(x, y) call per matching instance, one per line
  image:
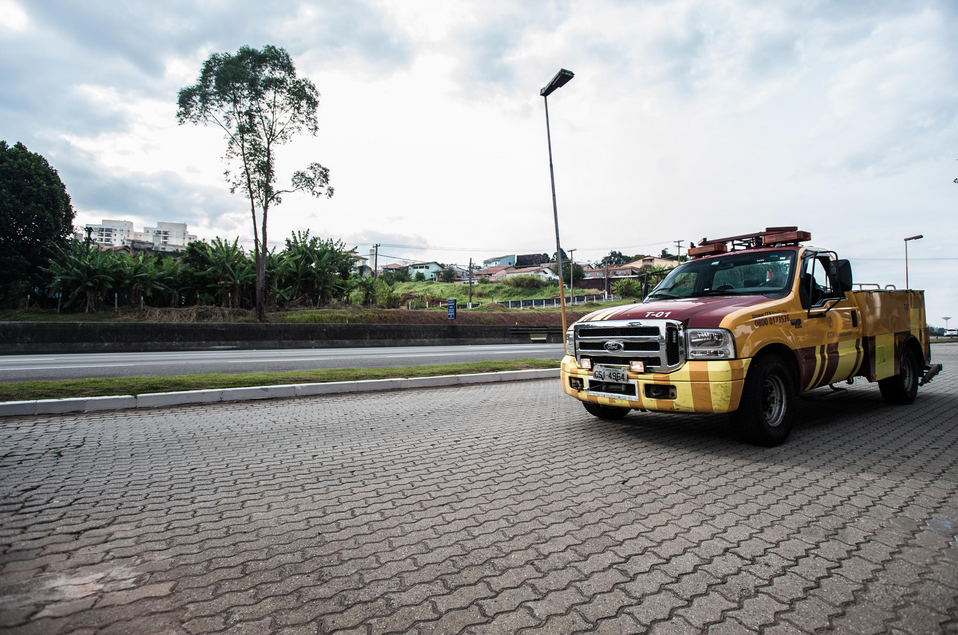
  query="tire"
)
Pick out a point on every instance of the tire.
point(902, 389)
point(766, 412)
point(609, 413)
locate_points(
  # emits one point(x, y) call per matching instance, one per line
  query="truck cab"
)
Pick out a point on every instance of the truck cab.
point(745, 326)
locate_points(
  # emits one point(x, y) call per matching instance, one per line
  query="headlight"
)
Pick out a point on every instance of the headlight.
point(710, 344)
point(570, 341)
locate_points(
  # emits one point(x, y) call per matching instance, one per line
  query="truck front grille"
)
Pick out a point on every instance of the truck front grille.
point(658, 344)
point(629, 346)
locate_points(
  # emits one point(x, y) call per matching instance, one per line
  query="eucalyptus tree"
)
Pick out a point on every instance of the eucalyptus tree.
point(256, 98)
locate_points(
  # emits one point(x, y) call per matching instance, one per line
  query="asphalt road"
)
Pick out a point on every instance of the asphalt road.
point(497, 508)
point(87, 365)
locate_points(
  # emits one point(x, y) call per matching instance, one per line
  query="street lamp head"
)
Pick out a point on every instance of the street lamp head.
point(561, 79)
point(914, 237)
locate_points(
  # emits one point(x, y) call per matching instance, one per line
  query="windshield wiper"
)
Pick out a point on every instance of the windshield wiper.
point(726, 292)
point(667, 296)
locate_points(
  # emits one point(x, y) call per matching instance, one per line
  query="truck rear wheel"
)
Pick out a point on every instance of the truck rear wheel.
point(766, 411)
point(609, 413)
point(903, 387)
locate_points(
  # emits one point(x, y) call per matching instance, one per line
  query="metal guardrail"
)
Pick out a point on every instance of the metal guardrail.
point(540, 303)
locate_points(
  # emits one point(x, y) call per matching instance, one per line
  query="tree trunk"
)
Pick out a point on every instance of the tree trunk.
point(261, 273)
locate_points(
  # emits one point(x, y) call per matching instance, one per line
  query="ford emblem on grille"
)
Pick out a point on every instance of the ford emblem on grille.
point(635, 324)
point(613, 346)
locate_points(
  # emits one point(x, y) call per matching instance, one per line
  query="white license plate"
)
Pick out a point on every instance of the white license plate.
point(610, 373)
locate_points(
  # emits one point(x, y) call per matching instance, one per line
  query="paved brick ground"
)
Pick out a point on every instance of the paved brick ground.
point(485, 509)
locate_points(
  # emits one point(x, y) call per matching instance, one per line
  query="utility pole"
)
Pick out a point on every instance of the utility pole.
point(678, 248)
point(571, 277)
point(376, 261)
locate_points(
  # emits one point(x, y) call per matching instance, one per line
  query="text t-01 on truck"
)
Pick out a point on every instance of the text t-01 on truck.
point(743, 327)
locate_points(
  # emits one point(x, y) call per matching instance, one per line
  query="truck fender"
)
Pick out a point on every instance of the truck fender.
point(788, 355)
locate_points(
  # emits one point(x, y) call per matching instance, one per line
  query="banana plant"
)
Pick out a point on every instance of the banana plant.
point(83, 272)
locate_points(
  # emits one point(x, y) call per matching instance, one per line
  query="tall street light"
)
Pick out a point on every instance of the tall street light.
point(906, 256)
point(561, 79)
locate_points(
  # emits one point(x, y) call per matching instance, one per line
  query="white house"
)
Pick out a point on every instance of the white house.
point(493, 274)
point(543, 273)
point(653, 261)
point(429, 269)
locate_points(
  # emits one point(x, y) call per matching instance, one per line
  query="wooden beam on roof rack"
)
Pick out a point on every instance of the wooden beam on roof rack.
point(708, 249)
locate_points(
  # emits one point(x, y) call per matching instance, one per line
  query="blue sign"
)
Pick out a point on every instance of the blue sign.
point(451, 310)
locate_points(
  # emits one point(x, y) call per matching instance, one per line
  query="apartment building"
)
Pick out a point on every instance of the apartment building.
point(167, 237)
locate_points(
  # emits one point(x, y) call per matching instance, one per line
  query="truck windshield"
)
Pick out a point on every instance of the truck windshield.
point(753, 273)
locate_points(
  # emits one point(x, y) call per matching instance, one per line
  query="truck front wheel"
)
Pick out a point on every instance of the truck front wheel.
point(902, 388)
point(609, 413)
point(766, 411)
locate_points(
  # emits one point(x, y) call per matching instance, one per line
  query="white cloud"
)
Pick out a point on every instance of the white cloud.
point(12, 16)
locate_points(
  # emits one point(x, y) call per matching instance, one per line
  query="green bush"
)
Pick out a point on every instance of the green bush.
point(628, 288)
point(524, 282)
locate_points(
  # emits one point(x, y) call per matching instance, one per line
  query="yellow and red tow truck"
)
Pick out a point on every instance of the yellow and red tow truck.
point(743, 327)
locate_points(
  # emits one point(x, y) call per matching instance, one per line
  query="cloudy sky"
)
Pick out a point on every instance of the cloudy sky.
point(686, 119)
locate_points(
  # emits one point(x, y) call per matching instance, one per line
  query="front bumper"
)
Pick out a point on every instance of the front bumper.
point(700, 386)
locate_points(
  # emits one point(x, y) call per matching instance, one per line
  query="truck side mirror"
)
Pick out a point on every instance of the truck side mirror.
point(841, 272)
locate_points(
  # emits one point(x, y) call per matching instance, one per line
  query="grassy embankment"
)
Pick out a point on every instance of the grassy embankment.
point(433, 293)
point(14, 391)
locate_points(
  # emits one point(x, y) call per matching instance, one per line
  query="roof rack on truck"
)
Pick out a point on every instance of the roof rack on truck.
point(771, 237)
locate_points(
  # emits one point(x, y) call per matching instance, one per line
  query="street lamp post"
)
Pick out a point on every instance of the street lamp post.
point(906, 256)
point(561, 79)
point(572, 277)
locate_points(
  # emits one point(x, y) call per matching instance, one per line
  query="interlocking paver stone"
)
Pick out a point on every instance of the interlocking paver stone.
point(484, 508)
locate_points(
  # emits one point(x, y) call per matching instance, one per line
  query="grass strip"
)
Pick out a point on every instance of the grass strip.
point(174, 383)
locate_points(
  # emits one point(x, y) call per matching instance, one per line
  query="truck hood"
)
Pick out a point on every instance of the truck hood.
point(693, 312)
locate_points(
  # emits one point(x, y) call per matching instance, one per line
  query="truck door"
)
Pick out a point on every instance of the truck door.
point(830, 344)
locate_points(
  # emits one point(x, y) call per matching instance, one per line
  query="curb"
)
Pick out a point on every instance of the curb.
point(216, 395)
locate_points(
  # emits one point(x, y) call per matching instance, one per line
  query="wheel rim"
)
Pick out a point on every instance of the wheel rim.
point(907, 370)
point(773, 400)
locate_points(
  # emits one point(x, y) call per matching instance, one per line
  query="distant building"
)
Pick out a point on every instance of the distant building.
point(429, 269)
point(168, 236)
point(493, 274)
point(165, 237)
point(360, 268)
point(653, 261)
point(393, 267)
point(110, 233)
point(544, 273)
point(516, 260)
